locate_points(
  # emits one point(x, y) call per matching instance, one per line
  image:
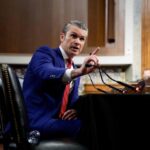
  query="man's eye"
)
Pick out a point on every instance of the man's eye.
point(74, 36)
point(82, 39)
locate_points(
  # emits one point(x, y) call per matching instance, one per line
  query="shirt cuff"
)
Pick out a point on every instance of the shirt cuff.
point(67, 75)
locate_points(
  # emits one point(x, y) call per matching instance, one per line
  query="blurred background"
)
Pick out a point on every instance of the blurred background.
point(120, 27)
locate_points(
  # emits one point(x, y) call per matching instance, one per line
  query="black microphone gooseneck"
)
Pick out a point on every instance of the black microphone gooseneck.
point(112, 87)
point(96, 87)
point(119, 82)
point(135, 89)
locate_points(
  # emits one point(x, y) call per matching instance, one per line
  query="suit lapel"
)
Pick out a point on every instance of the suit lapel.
point(59, 60)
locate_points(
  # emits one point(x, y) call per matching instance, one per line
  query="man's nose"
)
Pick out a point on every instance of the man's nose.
point(77, 40)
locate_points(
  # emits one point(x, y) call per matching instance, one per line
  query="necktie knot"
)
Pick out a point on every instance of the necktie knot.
point(69, 63)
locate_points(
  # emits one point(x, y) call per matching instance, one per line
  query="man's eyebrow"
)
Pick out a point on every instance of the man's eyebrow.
point(74, 33)
point(81, 36)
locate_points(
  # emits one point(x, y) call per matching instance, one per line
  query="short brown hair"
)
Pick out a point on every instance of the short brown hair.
point(77, 23)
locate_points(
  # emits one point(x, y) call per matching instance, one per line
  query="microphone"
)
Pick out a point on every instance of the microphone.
point(103, 91)
point(138, 88)
point(112, 87)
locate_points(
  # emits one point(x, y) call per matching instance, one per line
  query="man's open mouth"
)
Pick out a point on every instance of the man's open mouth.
point(74, 48)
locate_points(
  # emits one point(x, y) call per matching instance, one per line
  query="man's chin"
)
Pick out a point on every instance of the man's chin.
point(75, 54)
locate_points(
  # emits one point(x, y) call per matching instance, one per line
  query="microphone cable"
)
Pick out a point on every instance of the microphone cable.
point(137, 89)
point(119, 82)
point(98, 89)
point(110, 86)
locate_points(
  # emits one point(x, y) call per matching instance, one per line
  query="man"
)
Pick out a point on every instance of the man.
point(46, 80)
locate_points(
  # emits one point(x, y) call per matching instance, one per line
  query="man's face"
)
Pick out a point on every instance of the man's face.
point(73, 41)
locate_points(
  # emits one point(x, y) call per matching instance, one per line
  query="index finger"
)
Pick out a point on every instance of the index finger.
point(95, 51)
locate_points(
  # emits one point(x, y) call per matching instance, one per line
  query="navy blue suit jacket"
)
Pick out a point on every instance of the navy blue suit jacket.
point(43, 91)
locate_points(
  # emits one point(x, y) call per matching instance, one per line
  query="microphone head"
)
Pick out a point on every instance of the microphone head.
point(140, 86)
point(137, 89)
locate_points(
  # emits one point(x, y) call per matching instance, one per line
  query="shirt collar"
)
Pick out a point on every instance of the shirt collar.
point(63, 53)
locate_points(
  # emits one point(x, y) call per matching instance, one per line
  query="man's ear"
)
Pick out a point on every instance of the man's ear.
point(62, 36)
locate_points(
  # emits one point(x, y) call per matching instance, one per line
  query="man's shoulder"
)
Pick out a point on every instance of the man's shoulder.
point(46, 48)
